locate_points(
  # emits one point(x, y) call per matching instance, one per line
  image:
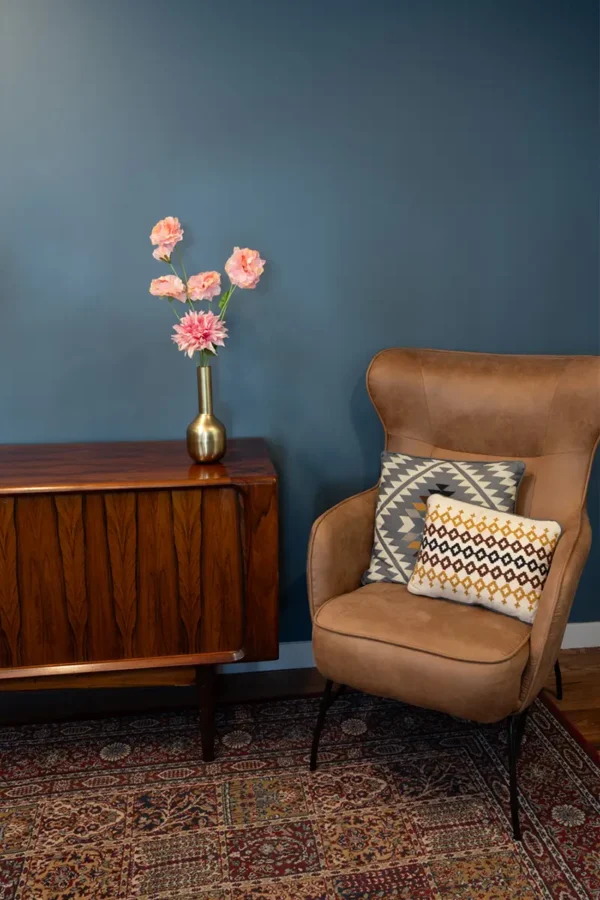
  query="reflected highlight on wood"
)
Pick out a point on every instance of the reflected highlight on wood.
point(52, 468)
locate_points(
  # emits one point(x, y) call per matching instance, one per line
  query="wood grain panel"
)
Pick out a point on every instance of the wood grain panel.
point(71, 539)
point(157, 627)
point(177, 566)
point(261, 562)
point(45, 631)
point(187, 532)
point(222, 622)
point(10, 613)
point(121, 530)
point(104, 637)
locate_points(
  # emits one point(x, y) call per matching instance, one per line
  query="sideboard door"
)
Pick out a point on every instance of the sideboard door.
point(117, 575)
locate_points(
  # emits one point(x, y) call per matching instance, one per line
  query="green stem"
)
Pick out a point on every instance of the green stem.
point(185, 278)
point(170, 299)
point(228, 296)
point(189, 302)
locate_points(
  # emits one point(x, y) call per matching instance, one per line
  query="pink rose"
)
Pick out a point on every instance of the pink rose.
point(163, 254)
point(199, 331)
point(204, 286)
point(244, 267)
point(168, 286)
point(166, 234)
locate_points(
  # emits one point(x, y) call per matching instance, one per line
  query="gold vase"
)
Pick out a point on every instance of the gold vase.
point(206, 438)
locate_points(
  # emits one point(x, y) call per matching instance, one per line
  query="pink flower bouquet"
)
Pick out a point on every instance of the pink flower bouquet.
point(200, 331)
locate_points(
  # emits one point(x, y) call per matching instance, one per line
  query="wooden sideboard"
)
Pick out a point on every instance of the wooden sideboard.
point(124, 559)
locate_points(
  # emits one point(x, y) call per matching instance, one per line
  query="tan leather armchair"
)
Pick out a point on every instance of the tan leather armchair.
point(464, 660)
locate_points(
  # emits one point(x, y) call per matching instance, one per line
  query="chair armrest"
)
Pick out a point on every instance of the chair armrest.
point(340, 547)
point(555, 605)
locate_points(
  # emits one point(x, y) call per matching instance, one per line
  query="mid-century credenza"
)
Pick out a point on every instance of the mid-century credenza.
point(124, 560)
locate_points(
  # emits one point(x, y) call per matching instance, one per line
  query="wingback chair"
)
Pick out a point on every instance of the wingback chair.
point(464, 660)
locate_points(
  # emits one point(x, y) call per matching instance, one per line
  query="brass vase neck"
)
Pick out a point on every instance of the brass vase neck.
point(205, 404)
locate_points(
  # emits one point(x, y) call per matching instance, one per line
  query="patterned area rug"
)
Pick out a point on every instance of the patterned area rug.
point(405, 804)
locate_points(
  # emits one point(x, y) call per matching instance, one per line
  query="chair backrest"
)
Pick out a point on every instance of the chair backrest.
point(544, 410)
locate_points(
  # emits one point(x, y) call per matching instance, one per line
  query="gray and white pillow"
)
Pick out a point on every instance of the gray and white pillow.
point(406, 484)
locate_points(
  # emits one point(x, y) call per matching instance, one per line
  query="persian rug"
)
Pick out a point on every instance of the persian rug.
point(406, 803)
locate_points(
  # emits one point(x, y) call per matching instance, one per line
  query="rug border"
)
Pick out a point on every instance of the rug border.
point(569, 727)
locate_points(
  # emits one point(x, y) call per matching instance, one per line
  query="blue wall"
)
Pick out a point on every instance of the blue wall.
point(416, 173)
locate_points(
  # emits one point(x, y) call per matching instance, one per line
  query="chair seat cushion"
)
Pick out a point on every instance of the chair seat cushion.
point(464, 660)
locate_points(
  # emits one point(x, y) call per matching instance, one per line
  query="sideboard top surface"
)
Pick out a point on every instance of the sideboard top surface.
point(52, 468)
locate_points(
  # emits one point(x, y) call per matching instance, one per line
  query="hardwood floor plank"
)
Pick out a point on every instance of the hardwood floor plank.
point(581, 691)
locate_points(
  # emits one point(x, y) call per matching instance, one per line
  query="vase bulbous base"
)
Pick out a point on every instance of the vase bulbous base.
point(206, 439)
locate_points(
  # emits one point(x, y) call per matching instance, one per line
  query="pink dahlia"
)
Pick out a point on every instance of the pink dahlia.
point(199, 331)
point(165, 235)
point(245, 267)
point(204, 286)
point(168, 286)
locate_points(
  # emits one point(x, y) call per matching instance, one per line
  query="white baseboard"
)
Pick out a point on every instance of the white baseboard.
point(581, 634)
point(298, 654)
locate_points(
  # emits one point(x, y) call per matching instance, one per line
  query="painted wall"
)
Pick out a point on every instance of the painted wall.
point(416, 173)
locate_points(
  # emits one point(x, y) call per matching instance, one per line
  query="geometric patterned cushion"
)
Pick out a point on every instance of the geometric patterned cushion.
point(406, 484)
point(491, 559)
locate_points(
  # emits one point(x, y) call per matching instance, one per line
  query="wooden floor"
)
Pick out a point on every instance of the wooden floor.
point(580, 672)
point(581, 691)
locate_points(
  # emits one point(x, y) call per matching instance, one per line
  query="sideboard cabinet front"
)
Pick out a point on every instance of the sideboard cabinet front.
point(117, 575)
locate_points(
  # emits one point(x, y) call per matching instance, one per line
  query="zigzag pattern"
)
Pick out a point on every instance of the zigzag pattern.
point(405, 486)
point(498, 561)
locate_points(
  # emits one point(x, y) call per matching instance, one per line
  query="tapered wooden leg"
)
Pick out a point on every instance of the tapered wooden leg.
point(516, 727)
point(205, 682)
point(558, 676)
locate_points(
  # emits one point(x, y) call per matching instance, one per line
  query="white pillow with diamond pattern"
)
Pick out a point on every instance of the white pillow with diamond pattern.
point(484, 557)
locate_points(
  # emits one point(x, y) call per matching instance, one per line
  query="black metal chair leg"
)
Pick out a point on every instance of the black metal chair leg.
point(326, 702)
point(558, 676)
point(516, 727)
